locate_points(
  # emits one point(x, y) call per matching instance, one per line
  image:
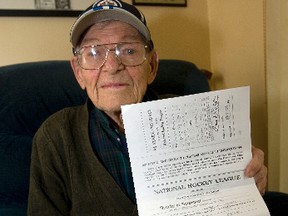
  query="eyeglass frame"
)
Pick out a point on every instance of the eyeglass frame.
point(76, 51)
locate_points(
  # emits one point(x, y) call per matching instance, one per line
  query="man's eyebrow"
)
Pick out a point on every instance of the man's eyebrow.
point(133, 37)
point(88, 40)
point(127, 38)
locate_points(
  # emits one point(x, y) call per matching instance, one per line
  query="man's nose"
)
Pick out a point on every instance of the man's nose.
point(112, 61)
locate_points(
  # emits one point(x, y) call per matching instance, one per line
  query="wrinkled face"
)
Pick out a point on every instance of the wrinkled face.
point(115, 84)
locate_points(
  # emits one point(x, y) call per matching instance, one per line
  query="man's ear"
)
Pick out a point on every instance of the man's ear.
point(154, 62)
point(77, 72)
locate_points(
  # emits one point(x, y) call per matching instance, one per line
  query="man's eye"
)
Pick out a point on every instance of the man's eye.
point(129, 51)
point(92, 53)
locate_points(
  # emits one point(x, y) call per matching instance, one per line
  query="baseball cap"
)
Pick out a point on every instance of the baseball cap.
point(104, 10)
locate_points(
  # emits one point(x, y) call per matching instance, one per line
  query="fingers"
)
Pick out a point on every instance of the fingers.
point(257, 169)
point(261, 179)
point(256, 163)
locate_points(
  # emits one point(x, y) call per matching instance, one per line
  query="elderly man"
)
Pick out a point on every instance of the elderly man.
point(80, 163)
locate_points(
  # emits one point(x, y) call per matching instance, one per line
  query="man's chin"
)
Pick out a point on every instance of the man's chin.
point(112, 102)
point(114, 106)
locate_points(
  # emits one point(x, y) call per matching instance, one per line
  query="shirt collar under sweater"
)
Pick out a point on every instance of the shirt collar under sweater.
point(109, 145)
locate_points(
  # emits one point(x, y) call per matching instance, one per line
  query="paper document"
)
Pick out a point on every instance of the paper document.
point(188, 155)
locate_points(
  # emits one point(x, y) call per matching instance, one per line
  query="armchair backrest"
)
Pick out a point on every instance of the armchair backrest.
point(30, 92)
point(178, 77)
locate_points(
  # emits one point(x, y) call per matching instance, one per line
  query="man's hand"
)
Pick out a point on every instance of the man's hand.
point(257, 169)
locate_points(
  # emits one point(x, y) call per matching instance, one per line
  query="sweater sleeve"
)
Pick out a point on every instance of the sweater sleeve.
point(48, 185)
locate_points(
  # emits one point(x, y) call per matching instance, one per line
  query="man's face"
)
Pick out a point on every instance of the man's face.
point(115, 84)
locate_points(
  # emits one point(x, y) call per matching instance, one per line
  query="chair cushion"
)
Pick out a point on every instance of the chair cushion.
point(277, 203)
point(29, 92)
point(12, 208)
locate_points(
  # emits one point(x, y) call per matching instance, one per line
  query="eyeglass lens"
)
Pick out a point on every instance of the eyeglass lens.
point(94, 57)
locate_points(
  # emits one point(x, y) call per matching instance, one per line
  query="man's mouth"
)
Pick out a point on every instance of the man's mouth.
point(114, 85)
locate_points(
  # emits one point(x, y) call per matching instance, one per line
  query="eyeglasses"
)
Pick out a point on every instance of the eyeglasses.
point(94, 56)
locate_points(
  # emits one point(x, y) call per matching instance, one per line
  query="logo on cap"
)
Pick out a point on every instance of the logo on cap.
point(107, 3)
